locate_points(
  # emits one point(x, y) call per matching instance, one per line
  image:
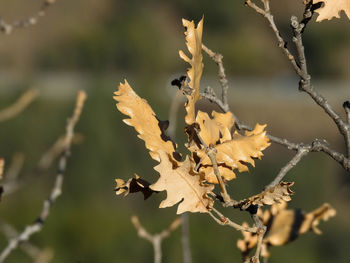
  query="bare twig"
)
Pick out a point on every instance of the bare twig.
point(7, 28)
point(285, 169)
point(300, 67)
point(265, 12)
point(21, 104)
point(225, 221)
point(57, 188)
point(38, 255)
point(217, 58)
point(305, 85)
point(211, 152)
point(155, 239)
point(51, 154)
point(261, 229)
point(185, 238)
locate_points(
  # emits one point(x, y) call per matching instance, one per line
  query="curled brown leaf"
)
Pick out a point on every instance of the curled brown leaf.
point(133, 185)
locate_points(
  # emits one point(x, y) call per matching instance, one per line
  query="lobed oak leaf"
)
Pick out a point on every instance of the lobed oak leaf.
point(182, 183)
point(238, 151)
point(276, 194)
point(332, 8)
point(133, 185)
point(217, 129)
point(144, 120)
point(194, 45)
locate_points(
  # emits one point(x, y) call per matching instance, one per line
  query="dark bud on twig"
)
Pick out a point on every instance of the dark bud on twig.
point(316, 6)
point(219, 197)
point(346, 105)
point(252, 209)
point(179, 82)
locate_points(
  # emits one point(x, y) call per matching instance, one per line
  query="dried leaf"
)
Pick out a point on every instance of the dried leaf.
point(282, 229)
point(133, 185)
point(312, 219)
point(235, 153)
point(194, 46)
point(208, 174)
point(215, 130)
point(332, 8)
point(248, 242)
point(276, 194)
point(284, 225)
point(144, 120)
point(182, 183)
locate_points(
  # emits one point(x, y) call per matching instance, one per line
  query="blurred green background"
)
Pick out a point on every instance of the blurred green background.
point(93, 45)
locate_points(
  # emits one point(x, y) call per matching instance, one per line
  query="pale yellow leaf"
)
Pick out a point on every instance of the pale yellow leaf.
point(332, 8)
point(182, 184)
point(143, 119)
point(194, 45)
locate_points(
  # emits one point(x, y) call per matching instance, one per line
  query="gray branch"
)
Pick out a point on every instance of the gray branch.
point(57, 188)
point(8, 28)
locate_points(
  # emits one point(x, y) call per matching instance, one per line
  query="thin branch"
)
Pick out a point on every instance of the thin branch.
point(211, 152)
point(293, 162)
point(8, 28)
point(20, 105)
point(217, 58)
point(57, 188)
point(54, 151)
point(185, 238)
point(38, 255)
point(305, 85)
point(225, 221)
point(261, 232)
point(281, 42)
point(155, 239)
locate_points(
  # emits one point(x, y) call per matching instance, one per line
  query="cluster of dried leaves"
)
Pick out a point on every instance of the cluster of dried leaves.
point(283, 226)
point(217, 152)
point(190, 180)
